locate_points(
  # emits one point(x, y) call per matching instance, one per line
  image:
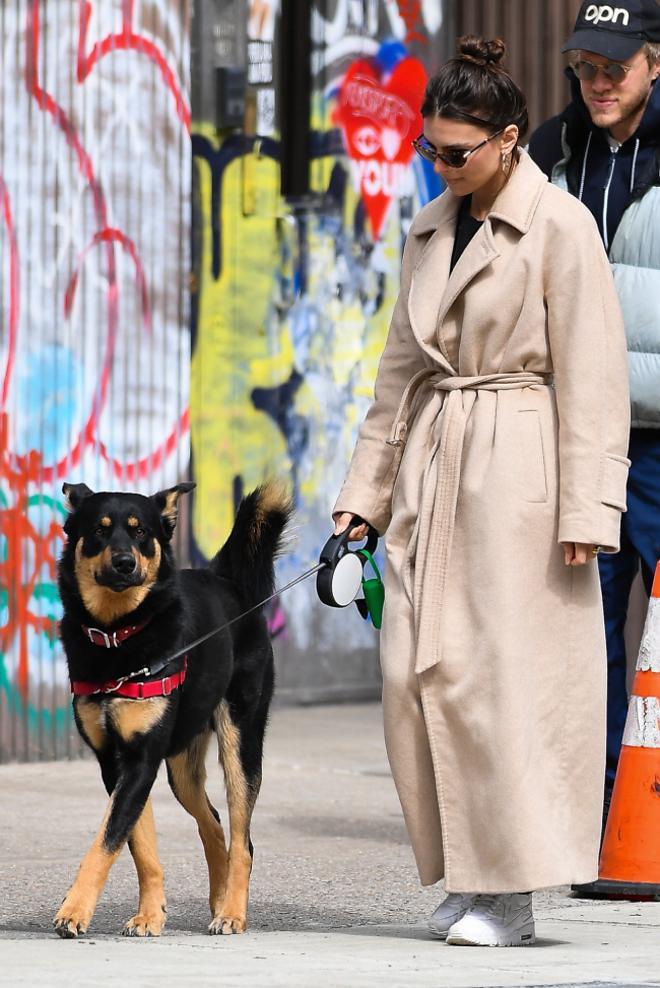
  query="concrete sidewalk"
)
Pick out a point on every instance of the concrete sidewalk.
point(335, 899)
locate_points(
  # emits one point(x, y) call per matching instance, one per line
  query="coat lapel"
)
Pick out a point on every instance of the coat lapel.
point(480, 252)
point(433, 289)
point(430, 277)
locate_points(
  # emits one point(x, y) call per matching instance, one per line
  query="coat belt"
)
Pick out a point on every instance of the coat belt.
point(429, 549)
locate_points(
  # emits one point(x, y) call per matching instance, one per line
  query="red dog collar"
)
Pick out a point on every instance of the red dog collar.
point(133, 691)
point(112, 639)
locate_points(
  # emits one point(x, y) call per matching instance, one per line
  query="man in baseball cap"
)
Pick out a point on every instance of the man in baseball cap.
point(605, 149)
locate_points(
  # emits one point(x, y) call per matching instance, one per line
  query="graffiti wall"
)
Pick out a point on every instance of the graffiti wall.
point(293, 298)
point(94, 320)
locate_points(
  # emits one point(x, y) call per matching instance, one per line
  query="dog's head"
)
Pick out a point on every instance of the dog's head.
point(118, 544)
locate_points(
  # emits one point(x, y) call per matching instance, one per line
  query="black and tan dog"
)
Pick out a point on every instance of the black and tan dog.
point(126, 609)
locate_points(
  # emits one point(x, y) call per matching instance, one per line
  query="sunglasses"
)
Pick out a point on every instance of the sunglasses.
point(587, 71)
point(452, 158)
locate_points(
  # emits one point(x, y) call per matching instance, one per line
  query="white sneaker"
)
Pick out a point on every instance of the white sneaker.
point(450, 910)
point(496, 921)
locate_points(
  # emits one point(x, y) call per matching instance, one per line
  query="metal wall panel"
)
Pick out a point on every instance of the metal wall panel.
point(94, 322)
point(534, 31)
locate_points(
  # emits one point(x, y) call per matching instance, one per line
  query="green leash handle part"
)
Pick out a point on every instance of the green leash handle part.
point(374, 592)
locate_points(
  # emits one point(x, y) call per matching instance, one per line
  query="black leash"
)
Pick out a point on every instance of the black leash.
point(153, 670)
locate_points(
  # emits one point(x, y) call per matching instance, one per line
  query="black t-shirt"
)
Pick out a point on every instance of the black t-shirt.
point(466, 227)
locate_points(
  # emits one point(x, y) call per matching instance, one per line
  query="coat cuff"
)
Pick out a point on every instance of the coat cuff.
point(602, 526)
point(614, 480)
point(603, 530)
point(373, 508)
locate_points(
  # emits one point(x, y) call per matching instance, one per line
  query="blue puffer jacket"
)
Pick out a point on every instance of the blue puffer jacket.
point(622, 190)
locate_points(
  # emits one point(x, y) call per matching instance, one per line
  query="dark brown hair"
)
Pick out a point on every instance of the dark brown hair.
point(474, 87)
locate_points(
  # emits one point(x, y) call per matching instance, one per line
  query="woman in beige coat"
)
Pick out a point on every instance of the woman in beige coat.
point(494, 458)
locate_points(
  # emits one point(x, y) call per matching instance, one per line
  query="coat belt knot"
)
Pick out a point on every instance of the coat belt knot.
point(429, 551)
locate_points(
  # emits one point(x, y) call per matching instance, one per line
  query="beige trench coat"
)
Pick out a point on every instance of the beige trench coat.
point(499, 430)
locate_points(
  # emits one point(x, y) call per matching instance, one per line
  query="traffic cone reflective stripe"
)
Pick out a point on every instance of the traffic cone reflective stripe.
point(646, 684)
point(630, 856)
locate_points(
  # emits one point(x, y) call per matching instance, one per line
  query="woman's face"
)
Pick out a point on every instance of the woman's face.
point(482, 167)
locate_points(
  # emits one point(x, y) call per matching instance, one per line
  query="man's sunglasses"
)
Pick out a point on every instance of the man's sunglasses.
point(587, 71)
point(452, 158)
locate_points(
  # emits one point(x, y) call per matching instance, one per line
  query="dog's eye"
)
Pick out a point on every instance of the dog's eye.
point(100, 530)
point(139, 533)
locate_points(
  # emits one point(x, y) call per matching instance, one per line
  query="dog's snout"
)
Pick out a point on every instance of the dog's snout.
point(124, 563)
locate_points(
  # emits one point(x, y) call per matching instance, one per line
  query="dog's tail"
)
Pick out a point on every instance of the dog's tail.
point(254, 542)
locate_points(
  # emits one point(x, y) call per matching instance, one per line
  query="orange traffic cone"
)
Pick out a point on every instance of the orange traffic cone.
point(630, 855)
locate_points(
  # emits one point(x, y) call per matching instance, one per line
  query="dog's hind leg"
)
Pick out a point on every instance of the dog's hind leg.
point(242, 769)
point(152, 911)
point(186, 773)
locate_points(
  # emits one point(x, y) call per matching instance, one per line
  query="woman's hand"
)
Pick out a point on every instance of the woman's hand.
point(578, 553)
point(343, 520)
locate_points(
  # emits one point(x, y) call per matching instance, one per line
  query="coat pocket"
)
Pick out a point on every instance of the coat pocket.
point(533, 478)
point(613, 480)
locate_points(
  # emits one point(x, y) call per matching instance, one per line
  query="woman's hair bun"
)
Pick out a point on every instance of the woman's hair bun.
point(474, 84)
point(480, 51)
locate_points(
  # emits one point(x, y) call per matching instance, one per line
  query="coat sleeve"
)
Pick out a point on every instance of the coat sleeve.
point(589, 358)
point(367, 489)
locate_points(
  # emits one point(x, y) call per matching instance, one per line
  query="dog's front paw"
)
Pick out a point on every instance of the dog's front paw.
point(73, 919)
point(223, 925)
point(146, 923)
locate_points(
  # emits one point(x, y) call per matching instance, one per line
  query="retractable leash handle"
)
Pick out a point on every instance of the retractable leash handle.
point(342, 576)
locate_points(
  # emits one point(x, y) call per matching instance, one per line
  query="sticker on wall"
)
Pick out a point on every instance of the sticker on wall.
point(261, 19)
point(378, 112)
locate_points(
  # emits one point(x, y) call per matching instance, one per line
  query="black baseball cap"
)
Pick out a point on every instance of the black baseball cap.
point(615, 30)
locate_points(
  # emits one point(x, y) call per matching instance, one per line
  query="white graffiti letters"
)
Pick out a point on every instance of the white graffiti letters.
point(369, 100)
point(376, 178)
point(604, 14)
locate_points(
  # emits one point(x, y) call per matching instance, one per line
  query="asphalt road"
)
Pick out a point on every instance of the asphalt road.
point(334, 897)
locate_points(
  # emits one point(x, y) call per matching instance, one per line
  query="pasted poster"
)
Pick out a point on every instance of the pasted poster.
point(378, 112)
point(261, 19)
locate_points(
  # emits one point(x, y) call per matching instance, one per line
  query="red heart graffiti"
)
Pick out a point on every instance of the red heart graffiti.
point(378, 121)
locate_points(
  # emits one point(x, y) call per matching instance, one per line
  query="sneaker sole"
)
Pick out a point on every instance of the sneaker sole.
point(519, 939)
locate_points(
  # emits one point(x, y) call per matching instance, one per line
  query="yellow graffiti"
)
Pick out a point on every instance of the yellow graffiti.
point(246, 339)
point(234, 352)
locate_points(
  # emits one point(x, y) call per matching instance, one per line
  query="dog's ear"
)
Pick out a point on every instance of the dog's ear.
point(167, 504)
point(75, 494)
